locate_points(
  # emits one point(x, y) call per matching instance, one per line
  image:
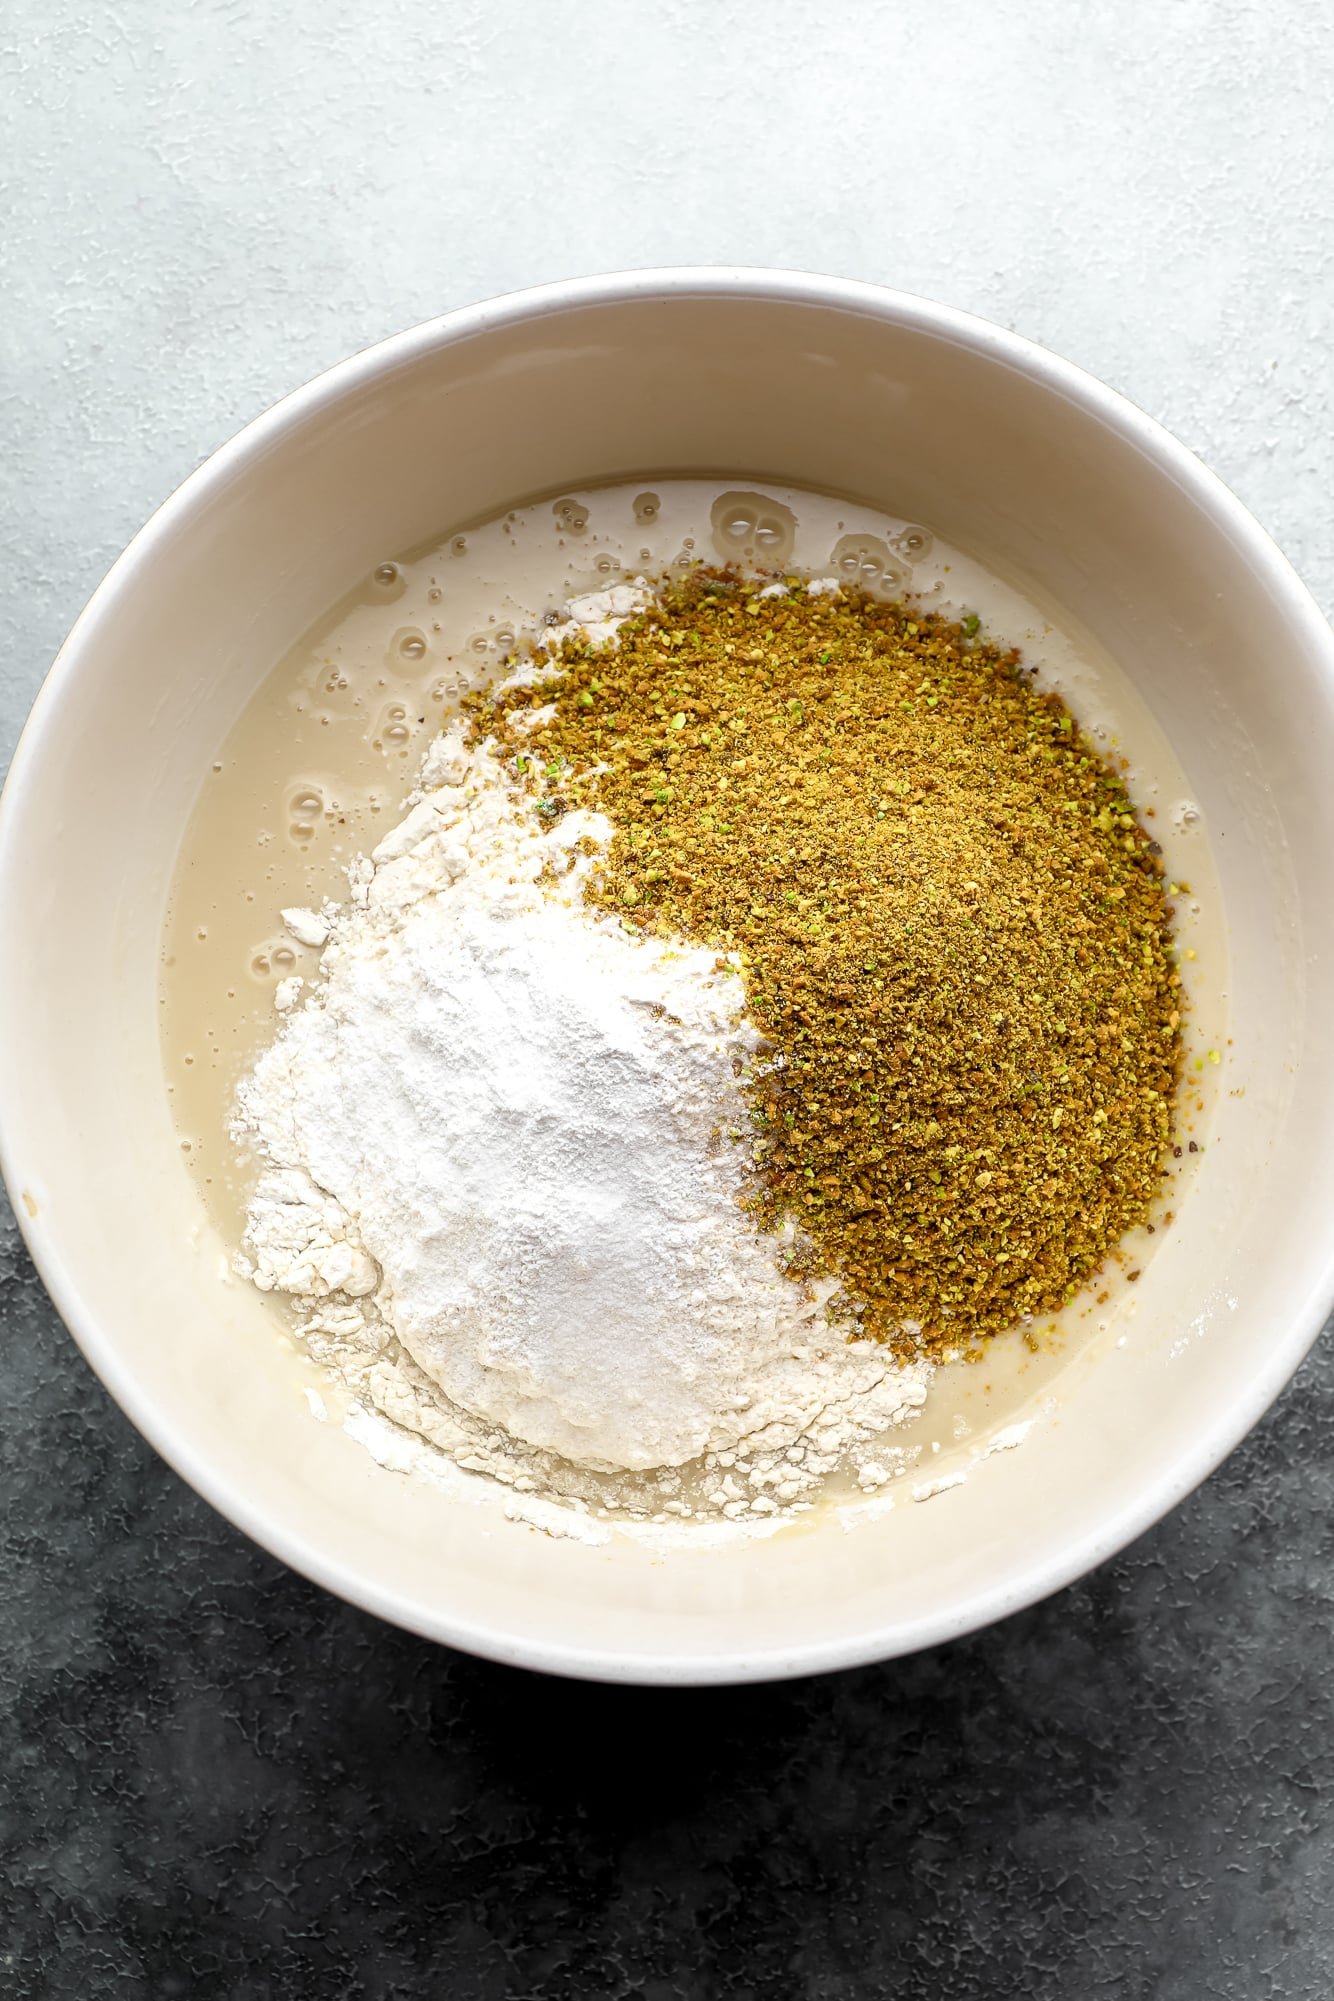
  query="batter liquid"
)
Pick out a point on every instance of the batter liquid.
point(317, 767)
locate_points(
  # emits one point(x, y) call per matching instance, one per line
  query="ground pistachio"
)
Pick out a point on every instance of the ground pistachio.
point(952, 923)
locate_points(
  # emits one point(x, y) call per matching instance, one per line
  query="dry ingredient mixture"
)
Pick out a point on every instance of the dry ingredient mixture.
point(953, 928)
point(768, 992)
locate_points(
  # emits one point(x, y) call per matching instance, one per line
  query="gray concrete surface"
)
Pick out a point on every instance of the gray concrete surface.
point(214, 1781)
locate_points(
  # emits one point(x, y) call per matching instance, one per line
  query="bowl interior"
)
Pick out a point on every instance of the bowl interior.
point(909, 409)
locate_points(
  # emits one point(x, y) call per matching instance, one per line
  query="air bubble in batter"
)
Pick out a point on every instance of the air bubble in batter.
point(571, 515)
point(753, 528)
point(865, 562)
point(409, 646)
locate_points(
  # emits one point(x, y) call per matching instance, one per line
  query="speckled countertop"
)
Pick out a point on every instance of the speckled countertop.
point(217, 1782)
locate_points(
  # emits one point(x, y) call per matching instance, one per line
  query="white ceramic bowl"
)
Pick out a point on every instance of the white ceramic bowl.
point(1006, 451)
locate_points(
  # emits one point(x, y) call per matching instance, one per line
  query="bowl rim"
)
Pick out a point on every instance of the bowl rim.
point(1200, 1454)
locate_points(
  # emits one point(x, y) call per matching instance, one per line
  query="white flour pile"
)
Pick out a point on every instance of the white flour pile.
point(500, 1161)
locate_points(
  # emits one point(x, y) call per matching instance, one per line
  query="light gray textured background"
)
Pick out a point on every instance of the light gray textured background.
point(215, 1780)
